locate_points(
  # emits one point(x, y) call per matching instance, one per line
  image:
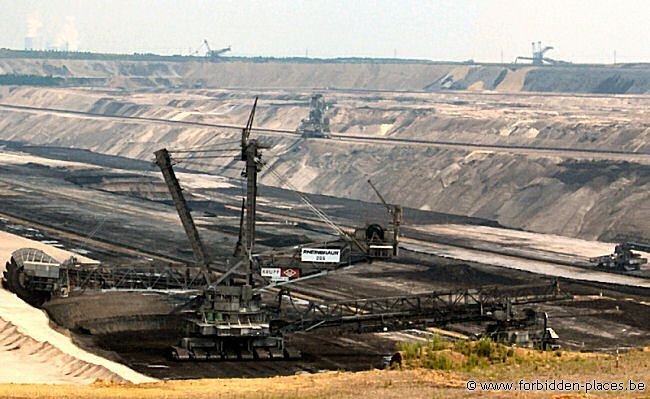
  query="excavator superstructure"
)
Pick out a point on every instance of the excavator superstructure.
point(317, 124)
point(539, 56)
point(229, 321)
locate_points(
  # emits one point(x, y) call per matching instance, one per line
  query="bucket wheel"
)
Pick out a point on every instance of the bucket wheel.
point(14, 280)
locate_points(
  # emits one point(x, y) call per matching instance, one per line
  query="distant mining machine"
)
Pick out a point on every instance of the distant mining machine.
point(317, 124)
point(210, 54)
point(539, 56)
point(623, 259)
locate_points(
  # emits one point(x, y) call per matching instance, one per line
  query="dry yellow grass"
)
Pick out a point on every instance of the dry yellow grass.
point(372, 384)
point(397, 384)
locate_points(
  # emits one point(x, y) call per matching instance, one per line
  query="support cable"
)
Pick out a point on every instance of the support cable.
point(205, 165)
point(204, 150)
point(178, 159)
point(319, 213)
point(204, 147)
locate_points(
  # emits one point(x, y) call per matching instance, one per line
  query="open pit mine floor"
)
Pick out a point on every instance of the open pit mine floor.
point(117, 212)
point(562, 164)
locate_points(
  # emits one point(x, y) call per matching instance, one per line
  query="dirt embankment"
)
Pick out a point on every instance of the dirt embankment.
point(558, 192)
point(581, 199)
point(367, 76)
point(40, 362)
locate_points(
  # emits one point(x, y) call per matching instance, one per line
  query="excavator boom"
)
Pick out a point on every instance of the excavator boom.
point(163, 161)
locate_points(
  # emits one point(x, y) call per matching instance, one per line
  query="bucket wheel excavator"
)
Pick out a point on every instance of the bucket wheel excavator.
point(623, 258)
point(229, 320)
point(539, 56)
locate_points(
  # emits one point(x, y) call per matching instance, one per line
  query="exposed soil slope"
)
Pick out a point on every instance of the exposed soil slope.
point(576, 194)
point(369, 76)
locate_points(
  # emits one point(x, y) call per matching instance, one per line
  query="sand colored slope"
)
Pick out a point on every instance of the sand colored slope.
point(377, 75)
point(514, 81)
point(37, 352)
point(571, 193)
point(41, 362)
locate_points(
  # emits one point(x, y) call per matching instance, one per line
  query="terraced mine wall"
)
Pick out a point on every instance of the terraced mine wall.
point(506, 175)
point(340, 74)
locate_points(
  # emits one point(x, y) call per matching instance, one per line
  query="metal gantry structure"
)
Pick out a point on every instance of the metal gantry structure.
point(433, 308)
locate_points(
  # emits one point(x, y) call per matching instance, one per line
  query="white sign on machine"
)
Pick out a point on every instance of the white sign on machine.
point(320, 255)
point(273, 273)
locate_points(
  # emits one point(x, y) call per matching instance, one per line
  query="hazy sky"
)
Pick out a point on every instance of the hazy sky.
point(580, 31)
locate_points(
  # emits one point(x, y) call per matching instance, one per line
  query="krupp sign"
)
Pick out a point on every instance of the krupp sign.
point(273, 272)
point(280, 274)
point(320, 255)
